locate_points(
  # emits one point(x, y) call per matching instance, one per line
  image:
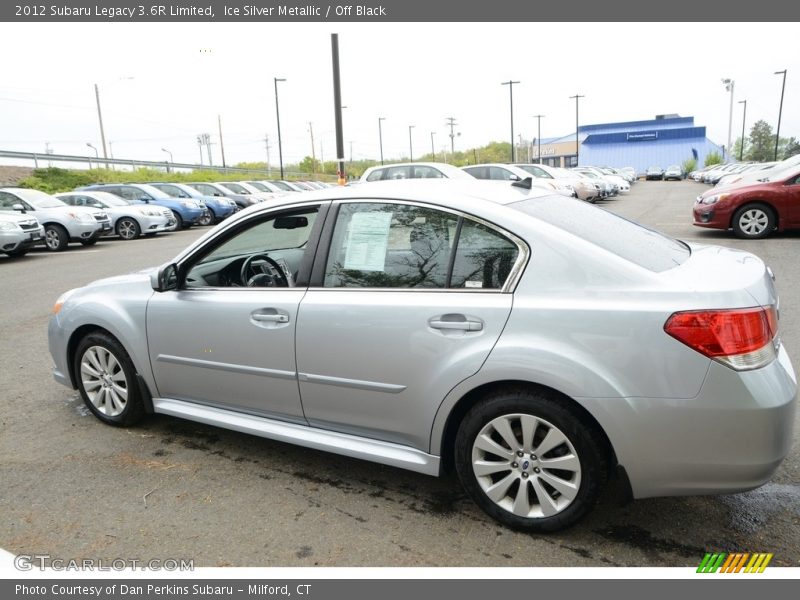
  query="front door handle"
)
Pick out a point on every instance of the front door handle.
point(455, 322)
point(269, 315)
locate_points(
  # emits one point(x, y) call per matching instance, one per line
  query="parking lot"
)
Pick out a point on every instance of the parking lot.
point(169, 488)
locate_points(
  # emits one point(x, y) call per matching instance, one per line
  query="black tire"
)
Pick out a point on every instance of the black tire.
point(753, 221)
point(111, 406)
point(128, 228)
point(549, 413)
point(56, 237)
point(91, 241)
point(208, 218)
point(178, 221)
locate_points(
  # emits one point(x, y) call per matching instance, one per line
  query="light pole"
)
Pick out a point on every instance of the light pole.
point(410, 145)
point(744, 118)
point(577, 142)
point(380, 135)
point(278, 118)
point(433, 151)
point(100, 119)
point(510, 85)
point(780, 112)
point(539, 136)
point(729, 85)
point(97, 156)
point(170, 157)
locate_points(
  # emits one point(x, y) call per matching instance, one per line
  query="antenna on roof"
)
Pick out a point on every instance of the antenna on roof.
point(526, 183)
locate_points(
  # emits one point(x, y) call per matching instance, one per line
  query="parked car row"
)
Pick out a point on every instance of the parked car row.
point(29, 217)
point(587, 183)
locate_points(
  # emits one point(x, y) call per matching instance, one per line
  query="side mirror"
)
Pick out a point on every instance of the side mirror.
point(18, 207)
point(513, 177)
point(165, 279)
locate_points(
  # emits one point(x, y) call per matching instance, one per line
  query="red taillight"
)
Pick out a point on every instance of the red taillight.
point(720, 333)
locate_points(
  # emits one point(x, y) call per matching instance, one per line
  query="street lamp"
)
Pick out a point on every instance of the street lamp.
point(539, 136)
point(380, 135)
point(95, 154)
point(729, 85)
point(577, 142)
point(170, 154)
point(510, 85)
point(780, 112)
point(278, 118)
point(410, 145)
point(100, 116)
point(744, 118)
point(433, 151)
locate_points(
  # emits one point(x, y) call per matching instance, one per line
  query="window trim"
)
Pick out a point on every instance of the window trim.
point(316, 282)
point(183, 263)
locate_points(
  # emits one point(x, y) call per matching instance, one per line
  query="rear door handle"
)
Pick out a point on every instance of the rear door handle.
point(455, 322)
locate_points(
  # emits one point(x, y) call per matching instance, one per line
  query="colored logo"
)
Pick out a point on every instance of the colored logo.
point(735, 562)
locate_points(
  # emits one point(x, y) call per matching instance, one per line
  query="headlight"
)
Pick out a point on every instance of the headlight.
point(61, 300)
point(712, 199)
point(82, 217)
point(150, 212)
point(7, 226)
point(187, 204)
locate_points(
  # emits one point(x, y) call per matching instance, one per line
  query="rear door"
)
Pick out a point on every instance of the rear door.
point(408, 302)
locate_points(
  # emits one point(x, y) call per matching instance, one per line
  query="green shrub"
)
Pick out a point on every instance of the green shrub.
point(689, 165)
point(713, 158)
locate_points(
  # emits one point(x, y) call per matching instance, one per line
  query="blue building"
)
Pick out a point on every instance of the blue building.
point(663, 141)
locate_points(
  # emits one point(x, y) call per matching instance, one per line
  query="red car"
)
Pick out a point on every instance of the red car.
point(753, 211)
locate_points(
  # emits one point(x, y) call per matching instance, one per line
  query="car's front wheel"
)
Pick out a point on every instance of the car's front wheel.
point(106, 380)
point(207, 218)
point(56, 237)
point(128, 229)
point(753, 221)
point(178, 221)
point(529, 460)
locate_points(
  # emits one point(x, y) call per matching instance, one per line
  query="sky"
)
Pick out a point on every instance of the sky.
point(162, 84)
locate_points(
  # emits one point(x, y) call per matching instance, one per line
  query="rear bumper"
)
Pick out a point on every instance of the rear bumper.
point(730, 438)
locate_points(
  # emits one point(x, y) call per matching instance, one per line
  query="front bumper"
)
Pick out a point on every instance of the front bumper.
point(730, 438)
point(11, 241)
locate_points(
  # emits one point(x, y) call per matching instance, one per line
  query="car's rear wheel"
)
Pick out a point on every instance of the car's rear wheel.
point(128, 229)
point(56, 237)
point(106, 380)
point(529, 460)
point(753, 221)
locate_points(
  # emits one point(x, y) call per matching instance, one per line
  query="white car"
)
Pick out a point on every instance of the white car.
point(245, 189)
point(62, 223)
point(500, 172)
point(18, 233)
point(420, 170)
point(128, 220)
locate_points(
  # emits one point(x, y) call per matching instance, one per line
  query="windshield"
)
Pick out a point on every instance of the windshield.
point(153, 191)
point(633, 242)
point(259, 186)
point(235, 187)
point(110, 199)
point(177, 191)
point(39, 199)
point(285, 187)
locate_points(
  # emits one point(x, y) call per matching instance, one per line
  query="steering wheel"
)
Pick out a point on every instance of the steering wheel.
point(253, 276)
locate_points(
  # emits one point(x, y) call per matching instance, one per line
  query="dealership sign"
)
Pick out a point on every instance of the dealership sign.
point(642, 136)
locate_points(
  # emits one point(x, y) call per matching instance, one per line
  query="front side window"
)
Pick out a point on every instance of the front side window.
point(401, 246)
point(267, 253)
point(7, 202)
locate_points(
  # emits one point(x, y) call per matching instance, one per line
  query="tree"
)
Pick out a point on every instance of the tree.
point(762, 142)
point(788, 148)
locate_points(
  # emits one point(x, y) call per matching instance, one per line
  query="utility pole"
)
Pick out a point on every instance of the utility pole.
point(577, 98)
point(313, 151)
point(221, 144)
point(380, 135)
point(539, 135)
point(267, 146)
point(510, 85)
point(780, 112)
point(337, 108)
point(278, 119)
point(433, 151)
point(744, 118)
point(451, 122)
point(351, 152)
point(100, 119)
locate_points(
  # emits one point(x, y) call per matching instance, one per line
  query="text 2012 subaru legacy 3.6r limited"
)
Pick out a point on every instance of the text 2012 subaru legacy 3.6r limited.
point(534, 343)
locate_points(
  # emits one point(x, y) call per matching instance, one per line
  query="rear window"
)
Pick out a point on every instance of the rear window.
point(633, 242)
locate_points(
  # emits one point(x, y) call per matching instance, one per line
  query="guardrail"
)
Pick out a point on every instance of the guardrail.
point(96, 162)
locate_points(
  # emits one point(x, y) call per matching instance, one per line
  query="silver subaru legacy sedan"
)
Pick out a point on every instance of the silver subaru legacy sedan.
point(536, 344)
